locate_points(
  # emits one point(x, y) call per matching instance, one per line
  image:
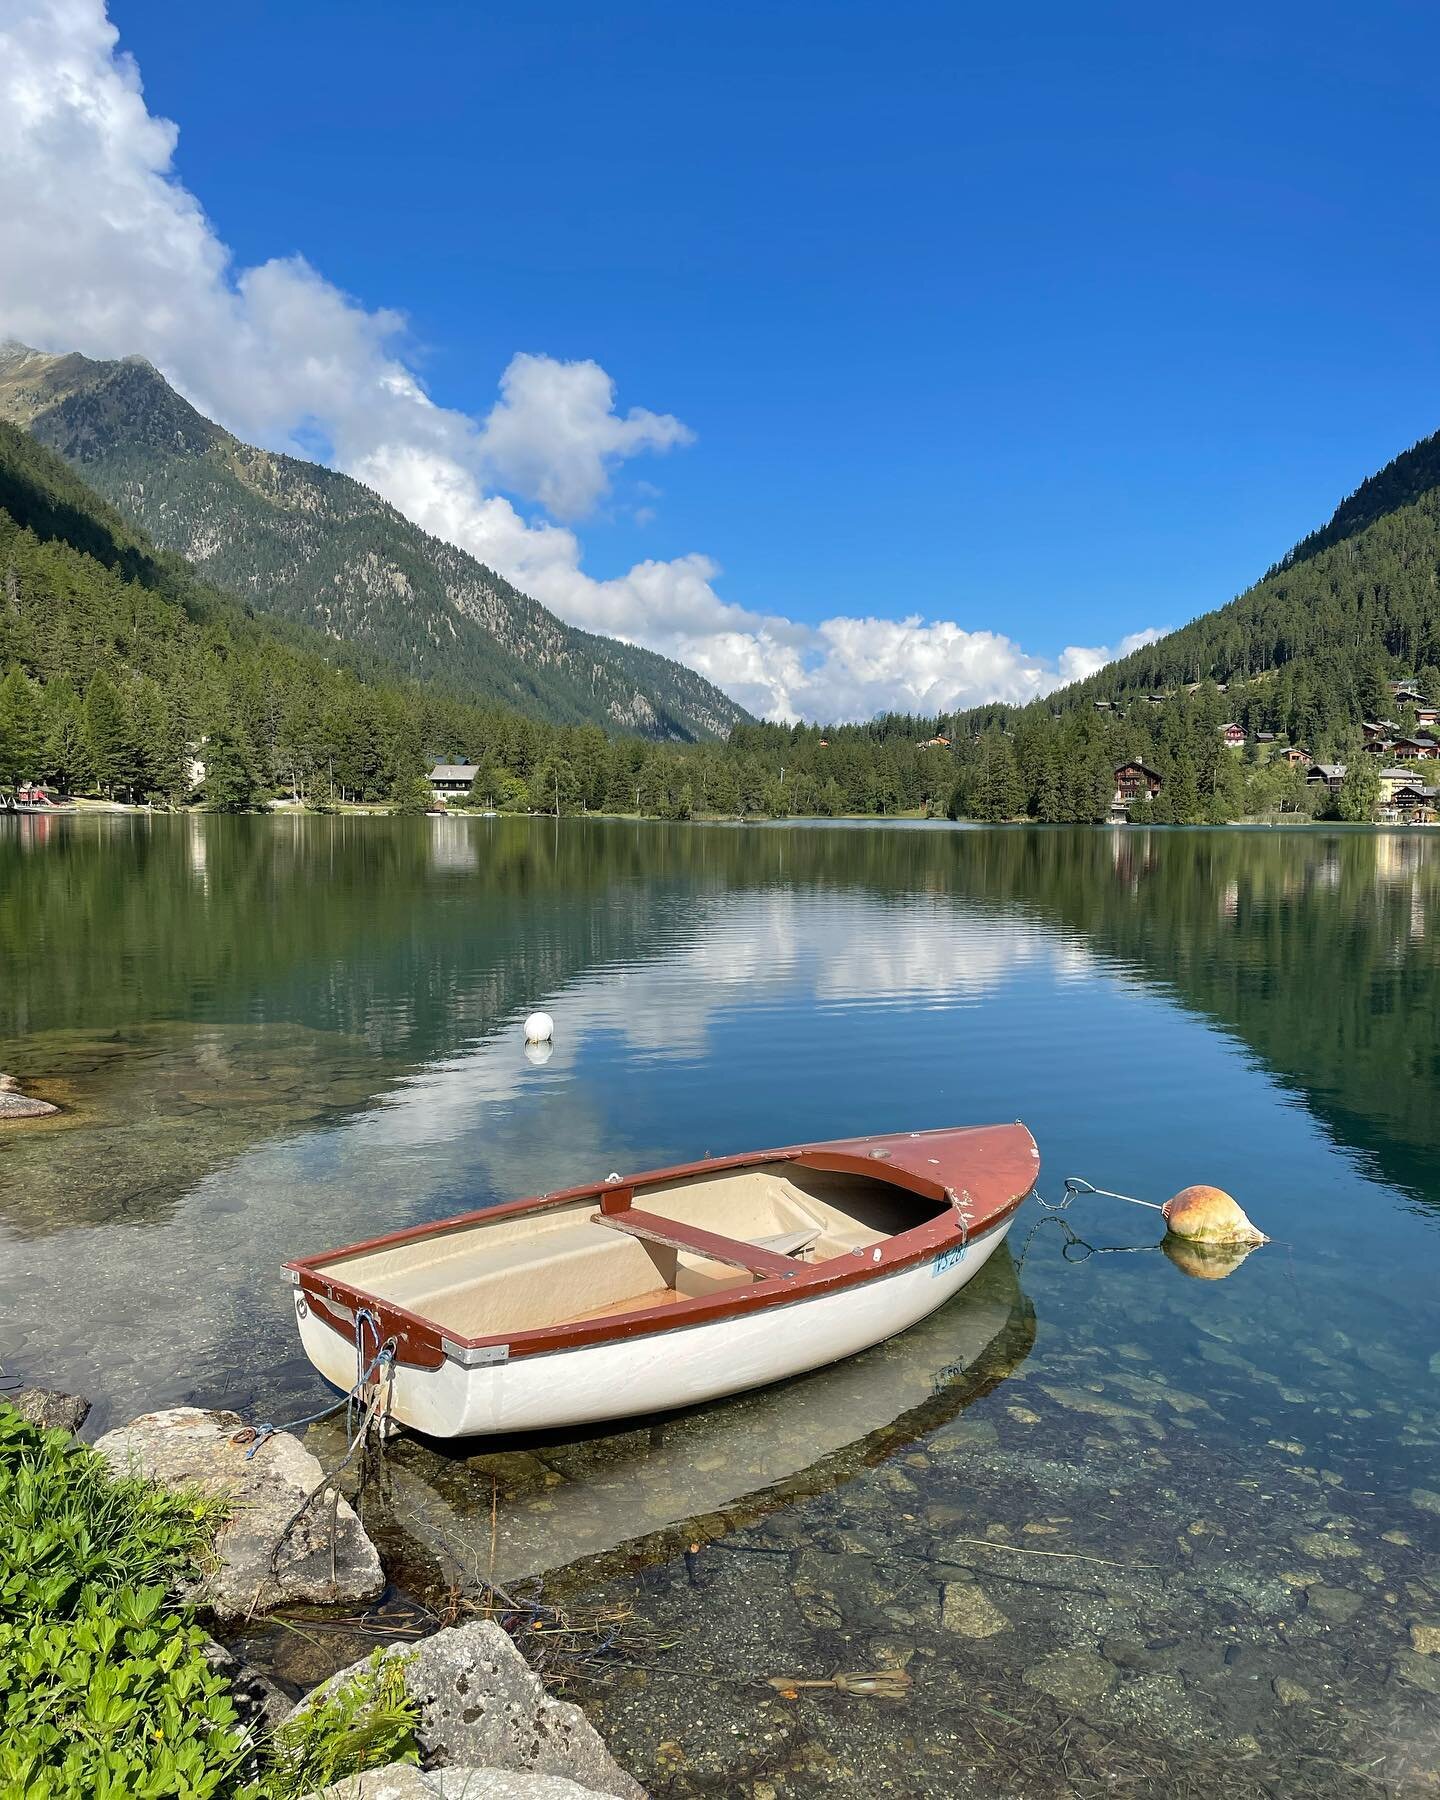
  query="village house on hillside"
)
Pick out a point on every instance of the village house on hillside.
point(1391, 780)
point(1136, 784)
point(1327, 774)
point(1403, 749)
point(448, 781)
point(1410, 802)
point(1233, 734)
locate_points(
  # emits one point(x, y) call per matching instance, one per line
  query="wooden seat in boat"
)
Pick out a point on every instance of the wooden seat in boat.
point(653, 1229)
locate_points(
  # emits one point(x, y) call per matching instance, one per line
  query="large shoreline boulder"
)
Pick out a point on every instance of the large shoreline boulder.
point(482, 1706)
point(185, 1447)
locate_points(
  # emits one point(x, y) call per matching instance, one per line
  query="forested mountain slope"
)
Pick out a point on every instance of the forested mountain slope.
point(299, 540)
point(118, 662)
point(1366, 584)
point(118, 666)
point(1301, 660)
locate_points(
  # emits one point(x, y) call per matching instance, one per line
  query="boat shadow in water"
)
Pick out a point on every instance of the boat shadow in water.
point(449, 1522)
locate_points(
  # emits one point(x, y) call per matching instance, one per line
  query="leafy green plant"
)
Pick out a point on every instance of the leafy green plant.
point(367, 1722)
point(105, 1689)
point(104, 1686)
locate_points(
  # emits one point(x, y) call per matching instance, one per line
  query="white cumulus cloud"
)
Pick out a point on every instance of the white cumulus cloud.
point(103, 249)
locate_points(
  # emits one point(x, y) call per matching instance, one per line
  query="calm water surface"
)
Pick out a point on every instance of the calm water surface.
point(1130, 1532)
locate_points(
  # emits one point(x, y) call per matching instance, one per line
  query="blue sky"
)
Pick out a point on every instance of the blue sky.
point(1059, 325)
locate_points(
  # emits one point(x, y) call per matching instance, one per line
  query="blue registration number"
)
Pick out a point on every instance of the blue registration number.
point(948, 1259)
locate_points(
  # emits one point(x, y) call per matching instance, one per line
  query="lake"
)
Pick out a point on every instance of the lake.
point(1127, 1530)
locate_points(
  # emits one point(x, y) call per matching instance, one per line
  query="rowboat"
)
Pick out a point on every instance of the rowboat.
point(642, 1293)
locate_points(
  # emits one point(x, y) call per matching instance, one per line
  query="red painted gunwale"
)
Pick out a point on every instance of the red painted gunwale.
point(982, 1172)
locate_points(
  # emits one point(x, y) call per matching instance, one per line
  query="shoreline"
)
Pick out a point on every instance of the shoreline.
point(89, 808)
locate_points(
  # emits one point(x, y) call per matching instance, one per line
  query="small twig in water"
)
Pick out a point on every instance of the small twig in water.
point(1068, 1555)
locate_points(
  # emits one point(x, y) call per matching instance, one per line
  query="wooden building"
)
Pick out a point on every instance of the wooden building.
point(1327, 774)
point(1411, 802)
point(1136, 784)
point(450, 780)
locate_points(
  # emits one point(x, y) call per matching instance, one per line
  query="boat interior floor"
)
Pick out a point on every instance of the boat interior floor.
point(565, 1264)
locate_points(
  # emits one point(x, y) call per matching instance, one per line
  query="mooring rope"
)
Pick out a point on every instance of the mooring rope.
point(378, 1376)
point(1074, 1186)
point(352, 1397)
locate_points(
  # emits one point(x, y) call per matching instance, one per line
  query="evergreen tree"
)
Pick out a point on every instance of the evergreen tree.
point(65, 760)
point(109, 748)
point(411, 797)
point(1184, 791)
point(231, 783)
point(158, 742)
point(22, 729)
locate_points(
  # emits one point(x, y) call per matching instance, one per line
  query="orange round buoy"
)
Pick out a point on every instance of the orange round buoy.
point(1208, 1215)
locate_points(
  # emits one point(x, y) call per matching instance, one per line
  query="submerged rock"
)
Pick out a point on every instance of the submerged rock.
point(1322, 1544)
point(52, 1411)
point(185, 1447)
point(1288, 1692)
point(1335, 1604)
point(1425, 1639)
point(403, 1781)
point(1419, 1670)
point(1426, 1499)
point(1081, 1400)
point(969, 1610)
point(1073, 1677)
point(480, 1703)
point(15, 1105)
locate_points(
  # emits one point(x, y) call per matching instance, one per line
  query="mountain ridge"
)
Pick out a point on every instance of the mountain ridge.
point(308, 543)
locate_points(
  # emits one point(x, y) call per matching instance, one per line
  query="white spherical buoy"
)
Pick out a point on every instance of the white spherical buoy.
point(539, 1028)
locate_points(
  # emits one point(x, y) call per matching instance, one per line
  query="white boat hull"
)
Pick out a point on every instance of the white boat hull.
point(662, 1370)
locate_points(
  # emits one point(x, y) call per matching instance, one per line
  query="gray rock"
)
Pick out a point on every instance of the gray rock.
point(481, 1705)
point(969, 1610)
point(21, 1106)
point(1288, 1692)
point(1073, 1677)
point(56, 1412)
point(402, 1781)
point(1335, 1604)
point(187, 1448)
point(1422, 1671)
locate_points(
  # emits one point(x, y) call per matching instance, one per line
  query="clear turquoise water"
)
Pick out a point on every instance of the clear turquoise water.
point(275, 1035)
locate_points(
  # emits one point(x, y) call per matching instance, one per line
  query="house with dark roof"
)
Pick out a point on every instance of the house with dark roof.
point(1412, 802)
point(450, 780)
point(1327, 774)
point(1233, 734)
point(1136, 784)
